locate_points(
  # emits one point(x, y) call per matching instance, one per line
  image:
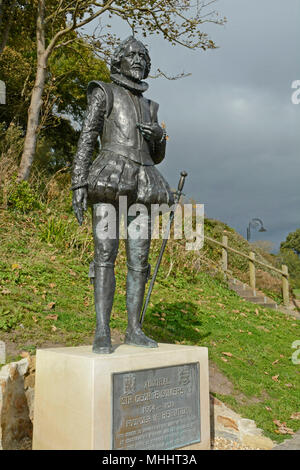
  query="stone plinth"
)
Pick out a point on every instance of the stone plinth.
point(131, 398)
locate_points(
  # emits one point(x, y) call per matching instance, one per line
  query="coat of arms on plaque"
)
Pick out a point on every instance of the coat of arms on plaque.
point(129, 384)
point(184, 375)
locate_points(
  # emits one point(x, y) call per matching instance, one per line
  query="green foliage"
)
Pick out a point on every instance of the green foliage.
point(292, 260)
point(22, 197)
point(292, 242)
point(9, 319)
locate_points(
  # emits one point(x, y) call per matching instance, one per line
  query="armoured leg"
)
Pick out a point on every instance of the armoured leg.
point(106, 250)
point(137, 276)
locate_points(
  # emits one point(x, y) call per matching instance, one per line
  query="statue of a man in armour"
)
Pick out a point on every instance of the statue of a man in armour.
point(132, 143)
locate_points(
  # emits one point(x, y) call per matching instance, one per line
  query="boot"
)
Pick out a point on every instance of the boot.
point(136, 282)
point(104, 289)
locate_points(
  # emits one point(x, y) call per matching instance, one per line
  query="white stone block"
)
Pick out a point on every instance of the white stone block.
point(74, 393)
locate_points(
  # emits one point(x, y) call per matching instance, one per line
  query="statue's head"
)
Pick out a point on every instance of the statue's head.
point(131, 58)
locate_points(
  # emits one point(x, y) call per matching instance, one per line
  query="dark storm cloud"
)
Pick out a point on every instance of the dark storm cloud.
point(232, 124)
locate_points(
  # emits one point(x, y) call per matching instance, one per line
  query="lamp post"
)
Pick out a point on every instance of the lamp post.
point(255, 223)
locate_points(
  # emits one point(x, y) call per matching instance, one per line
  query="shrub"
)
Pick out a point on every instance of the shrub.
point(22, 197)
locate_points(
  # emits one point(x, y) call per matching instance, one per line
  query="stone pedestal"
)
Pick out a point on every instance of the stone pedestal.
point(134, 398)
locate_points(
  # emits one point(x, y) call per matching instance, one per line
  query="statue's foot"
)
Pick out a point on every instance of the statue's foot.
point(136, 337)
point(102, 342)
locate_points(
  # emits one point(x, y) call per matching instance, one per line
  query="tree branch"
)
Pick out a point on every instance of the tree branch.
point(74, 26)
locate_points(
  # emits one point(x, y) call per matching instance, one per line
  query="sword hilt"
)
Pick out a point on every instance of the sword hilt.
point(181, 181)
point(180, 186)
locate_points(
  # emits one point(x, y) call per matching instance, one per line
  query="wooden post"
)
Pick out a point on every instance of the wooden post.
point(252, 269)
point(224, 253)
point(285, 285)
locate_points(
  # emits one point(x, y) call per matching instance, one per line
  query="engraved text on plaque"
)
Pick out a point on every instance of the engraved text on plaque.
point(156, 408)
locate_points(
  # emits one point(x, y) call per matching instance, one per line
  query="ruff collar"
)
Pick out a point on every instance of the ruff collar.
point(131, 85)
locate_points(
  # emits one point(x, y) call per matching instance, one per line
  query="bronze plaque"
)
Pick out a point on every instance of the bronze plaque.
point(156, 408)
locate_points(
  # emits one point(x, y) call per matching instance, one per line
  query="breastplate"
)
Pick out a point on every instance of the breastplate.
point(120, 133)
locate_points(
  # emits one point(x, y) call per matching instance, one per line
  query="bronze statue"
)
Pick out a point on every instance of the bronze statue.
point(132, 143)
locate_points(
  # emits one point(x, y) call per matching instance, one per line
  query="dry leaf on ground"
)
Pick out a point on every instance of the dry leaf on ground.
point(51, 306)
point(15, 266)
point(282, 428)
point(51, 317)
point(5, 291)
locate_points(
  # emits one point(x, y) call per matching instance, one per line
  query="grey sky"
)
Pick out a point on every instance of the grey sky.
point(232, 124)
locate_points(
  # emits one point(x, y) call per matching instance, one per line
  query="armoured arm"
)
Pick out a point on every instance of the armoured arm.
point(92, 127)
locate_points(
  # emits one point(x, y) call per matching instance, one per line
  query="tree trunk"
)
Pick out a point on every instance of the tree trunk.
point(36, 98)
point(32, 122)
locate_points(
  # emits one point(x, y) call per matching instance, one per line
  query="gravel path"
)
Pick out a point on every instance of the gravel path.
point(221, 443)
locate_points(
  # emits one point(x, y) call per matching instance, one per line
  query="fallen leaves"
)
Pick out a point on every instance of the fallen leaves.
point(51, 317)
point(295, 415)
point(261, 327)
point(15, 266)
point(51, 306)
point(282, 428)
point(5, 291)
point(275, 378)
point(227, 354)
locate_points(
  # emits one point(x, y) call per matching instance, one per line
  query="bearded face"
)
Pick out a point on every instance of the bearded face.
point(133, 63)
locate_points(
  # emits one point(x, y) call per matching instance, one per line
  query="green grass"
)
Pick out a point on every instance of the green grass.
point(297, 293)
point(46, 297)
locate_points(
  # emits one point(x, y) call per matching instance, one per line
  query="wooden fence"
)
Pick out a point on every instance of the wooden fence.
point(252, 262)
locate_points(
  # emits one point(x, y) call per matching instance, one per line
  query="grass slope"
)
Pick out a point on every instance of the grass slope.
point(46, 297)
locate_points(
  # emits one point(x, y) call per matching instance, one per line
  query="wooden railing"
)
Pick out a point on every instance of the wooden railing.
point(252, 261)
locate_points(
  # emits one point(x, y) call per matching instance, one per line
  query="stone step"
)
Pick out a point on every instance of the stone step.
point(251, 295)
point(249, 292)
point(255, 299)
point(261, 301)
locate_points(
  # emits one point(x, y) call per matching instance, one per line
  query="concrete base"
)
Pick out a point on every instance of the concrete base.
point(74, 393)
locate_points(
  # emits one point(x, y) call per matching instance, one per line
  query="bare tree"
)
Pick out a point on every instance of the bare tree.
point(177, 20)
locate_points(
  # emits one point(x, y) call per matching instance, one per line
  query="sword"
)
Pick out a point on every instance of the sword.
point(164, 243)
